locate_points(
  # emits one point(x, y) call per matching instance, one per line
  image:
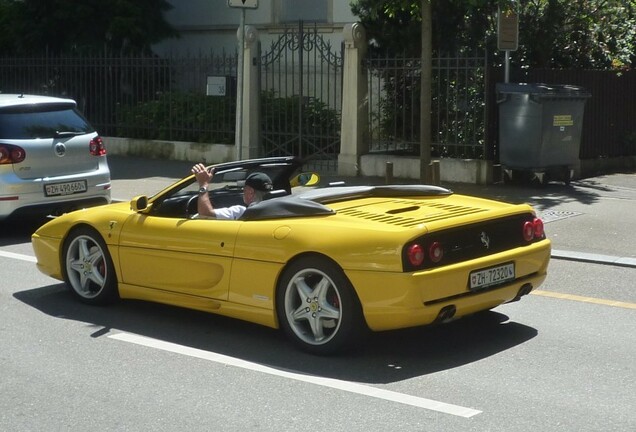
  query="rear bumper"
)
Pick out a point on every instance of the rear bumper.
point(56, 208)
point(401, 300)
point(25, 198)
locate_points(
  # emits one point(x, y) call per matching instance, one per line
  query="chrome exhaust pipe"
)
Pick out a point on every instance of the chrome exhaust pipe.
point(446, 314)
point(524, 290)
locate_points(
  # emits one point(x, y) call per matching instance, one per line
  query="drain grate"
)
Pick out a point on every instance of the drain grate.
point(554, 215)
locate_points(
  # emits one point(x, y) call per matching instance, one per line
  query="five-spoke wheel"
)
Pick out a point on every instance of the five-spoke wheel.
point(88, 268)
point(317, 306)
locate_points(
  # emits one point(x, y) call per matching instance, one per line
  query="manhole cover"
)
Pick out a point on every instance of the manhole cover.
point(553, 215)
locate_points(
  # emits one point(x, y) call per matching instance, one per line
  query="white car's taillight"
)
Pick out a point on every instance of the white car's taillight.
point(10, 154)
point(97, 147)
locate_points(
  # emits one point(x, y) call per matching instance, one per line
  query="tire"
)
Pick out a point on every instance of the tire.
point(507, 177)
point(512, 177)
point(317, 306)
point(567, 176)
point(88, 268)
point(540, 180)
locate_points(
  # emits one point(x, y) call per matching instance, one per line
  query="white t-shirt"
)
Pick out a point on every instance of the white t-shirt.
point(234, 212)
point(226, 213)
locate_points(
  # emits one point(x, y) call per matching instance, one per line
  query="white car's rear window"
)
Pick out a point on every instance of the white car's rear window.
point(41, 121)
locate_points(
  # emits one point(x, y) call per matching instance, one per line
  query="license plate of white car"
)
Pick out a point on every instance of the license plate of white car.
point(67, 188)
point(491, 276)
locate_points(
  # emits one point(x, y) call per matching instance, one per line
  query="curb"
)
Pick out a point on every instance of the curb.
point(594, 258)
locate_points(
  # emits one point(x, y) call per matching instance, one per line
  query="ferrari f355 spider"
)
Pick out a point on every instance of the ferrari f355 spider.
point(325, 264)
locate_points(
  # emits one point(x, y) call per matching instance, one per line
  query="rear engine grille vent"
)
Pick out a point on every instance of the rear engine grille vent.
point(399, 216)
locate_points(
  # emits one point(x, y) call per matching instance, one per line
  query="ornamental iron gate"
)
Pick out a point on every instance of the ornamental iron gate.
point(301, 98)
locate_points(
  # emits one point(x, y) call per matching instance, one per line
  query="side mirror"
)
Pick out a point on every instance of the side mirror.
point(139, 203)
point(305, 179)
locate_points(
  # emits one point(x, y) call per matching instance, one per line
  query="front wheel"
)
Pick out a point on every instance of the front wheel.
point(88, 268)
point(317, 306)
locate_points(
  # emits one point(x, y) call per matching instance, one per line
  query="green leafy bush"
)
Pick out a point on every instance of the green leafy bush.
point(180, 116)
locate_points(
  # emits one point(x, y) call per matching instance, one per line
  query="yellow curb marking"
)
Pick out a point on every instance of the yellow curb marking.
point(593, 300)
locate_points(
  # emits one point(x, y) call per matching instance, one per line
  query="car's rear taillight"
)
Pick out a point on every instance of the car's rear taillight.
point(415, 254)
point(97, 147)
point(436, 252)
point(533, 230)
point(10, 154)
point(539, 232)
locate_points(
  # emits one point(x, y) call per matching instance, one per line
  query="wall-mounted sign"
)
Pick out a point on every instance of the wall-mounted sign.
point(216, 86)
point(562, 120)
point(249, 4)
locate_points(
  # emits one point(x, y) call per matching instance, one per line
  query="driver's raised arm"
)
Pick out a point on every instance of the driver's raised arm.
point(204, 177)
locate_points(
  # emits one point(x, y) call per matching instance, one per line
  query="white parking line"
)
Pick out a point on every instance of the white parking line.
point(18, 256)
point(321, 381)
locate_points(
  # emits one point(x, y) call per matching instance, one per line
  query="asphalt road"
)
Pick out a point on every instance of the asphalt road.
point(559, 360)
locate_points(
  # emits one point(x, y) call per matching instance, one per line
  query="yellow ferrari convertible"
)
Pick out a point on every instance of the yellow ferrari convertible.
point(323, 263)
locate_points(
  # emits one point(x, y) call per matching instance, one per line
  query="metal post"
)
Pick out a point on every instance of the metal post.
point(507, 67)
point(239, 89)
point(389, 173)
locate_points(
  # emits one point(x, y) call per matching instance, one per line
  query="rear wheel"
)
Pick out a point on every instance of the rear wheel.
point(317, 306)
point(88, 268)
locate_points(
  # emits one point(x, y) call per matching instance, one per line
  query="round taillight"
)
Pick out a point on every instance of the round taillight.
point(528, 231)
point(17, 154)
point(436, 252)
point(10, 154)
point(415, 254)
point(538, 228)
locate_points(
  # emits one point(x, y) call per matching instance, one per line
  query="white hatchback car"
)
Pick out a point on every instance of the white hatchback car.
point(51, 159)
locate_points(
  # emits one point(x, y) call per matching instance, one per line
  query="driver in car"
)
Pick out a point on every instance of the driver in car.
point(256, 186)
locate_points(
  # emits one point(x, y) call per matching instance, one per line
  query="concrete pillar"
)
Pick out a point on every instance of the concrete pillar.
point(251, 91)
point(354, 129)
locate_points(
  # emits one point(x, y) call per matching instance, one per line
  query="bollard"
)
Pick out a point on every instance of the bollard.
point(435, 174)
point(389, 173)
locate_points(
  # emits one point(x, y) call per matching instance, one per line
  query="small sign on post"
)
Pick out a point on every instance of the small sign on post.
point(216, 86)
point(248, 4)
point(507, 30)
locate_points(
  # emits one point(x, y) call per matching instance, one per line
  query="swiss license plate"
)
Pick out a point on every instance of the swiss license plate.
point(492, 276)
point(68, 188)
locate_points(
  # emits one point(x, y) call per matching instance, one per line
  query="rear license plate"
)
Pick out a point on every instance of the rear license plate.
point(68, 188)
point(492, 276)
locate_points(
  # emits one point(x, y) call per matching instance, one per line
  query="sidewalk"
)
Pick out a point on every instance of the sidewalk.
point(593, 219)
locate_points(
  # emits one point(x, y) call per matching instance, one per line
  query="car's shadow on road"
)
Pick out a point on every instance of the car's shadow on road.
point(381, 358)
point(552, 195)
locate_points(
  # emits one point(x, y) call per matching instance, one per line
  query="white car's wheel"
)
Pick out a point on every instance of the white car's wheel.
point(317, 306)
point(88, 267)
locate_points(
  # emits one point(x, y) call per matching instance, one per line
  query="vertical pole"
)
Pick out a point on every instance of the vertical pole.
point(301, 85)
point(239, 88)
point(507, 67)
point(354, 126)
point(426, 78)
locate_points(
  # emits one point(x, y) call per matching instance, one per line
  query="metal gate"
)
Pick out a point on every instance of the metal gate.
point(301, 98)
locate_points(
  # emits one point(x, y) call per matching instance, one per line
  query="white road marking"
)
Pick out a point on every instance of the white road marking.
point(321, 381)
point(18, 256)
